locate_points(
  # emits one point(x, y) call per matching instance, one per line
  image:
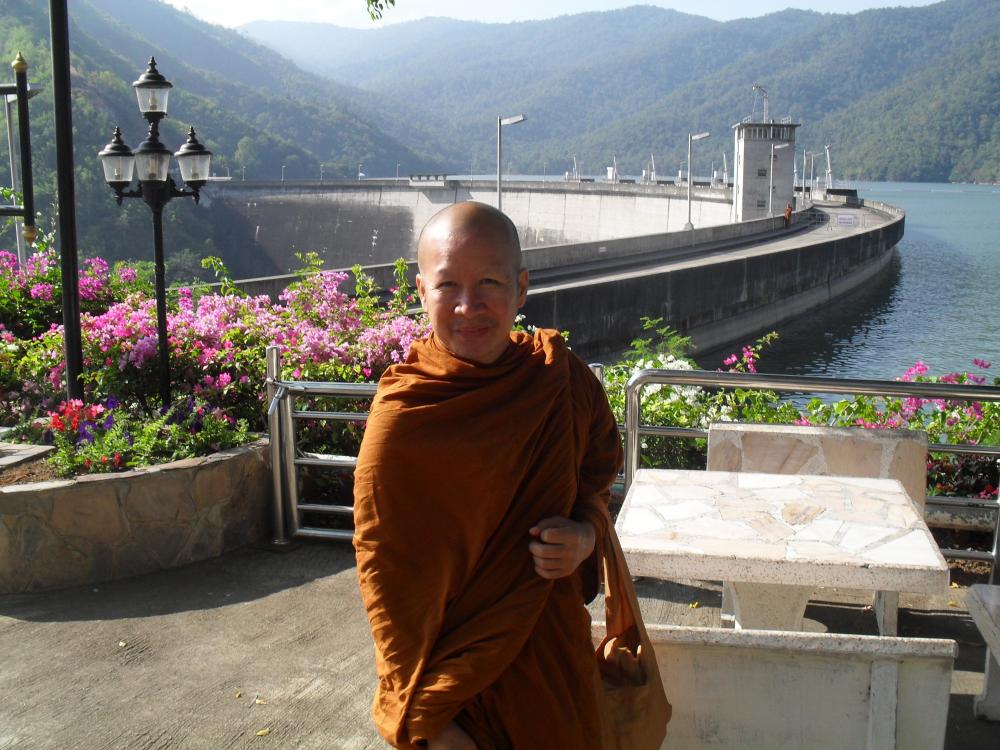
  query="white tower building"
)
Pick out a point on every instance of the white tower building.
point(763, 179)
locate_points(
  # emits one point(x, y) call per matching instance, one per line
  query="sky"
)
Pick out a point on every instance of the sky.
point(352, 12)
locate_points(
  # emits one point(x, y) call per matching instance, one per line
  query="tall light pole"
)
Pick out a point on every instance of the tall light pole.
point(282, 172)
point(770, 179)
point(692, 139)
point(829, 169)
point(501, 121)
point(151, 162)
point(22, 92)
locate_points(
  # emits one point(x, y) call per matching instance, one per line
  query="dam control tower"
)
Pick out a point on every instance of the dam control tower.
point(763, 180)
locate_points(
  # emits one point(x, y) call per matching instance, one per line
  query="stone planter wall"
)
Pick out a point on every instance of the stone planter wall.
point(108, 526)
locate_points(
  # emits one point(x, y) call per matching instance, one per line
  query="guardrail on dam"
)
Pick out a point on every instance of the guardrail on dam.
point(718, 284)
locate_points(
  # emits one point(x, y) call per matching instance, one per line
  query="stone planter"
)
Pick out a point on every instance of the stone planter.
point(108, 526)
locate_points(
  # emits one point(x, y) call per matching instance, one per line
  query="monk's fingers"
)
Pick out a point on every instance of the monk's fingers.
point(547, 551)
point(567, 535)
point(552, 571)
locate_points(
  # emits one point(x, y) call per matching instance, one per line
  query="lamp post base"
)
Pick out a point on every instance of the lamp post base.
point(688, 226)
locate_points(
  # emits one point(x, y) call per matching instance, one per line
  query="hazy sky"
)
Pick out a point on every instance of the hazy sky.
point(352, 12)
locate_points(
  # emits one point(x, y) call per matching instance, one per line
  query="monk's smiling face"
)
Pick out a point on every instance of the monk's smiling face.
point(471, 282)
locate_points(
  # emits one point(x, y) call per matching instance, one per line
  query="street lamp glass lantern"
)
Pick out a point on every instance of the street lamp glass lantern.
point(152, 160)
point(194, 161)
point(152, 91)
point(118, 162)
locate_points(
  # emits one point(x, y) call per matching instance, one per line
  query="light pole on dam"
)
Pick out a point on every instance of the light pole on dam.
point(691, 139)
point(501, 121)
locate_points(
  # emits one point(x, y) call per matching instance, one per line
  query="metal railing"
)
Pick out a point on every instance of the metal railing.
point(811, 384)
point(286, 456)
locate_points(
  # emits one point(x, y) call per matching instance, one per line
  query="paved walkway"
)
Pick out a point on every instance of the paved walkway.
point(209, 655)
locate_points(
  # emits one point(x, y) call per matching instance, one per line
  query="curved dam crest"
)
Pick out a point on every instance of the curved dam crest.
point(602, 256)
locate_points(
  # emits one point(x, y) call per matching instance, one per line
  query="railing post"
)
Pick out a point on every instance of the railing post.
point(288, 460)
point(632, 417)
point(995, 566)
point(272, 360)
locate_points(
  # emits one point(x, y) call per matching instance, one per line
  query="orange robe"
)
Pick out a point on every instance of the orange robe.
point(458, 461)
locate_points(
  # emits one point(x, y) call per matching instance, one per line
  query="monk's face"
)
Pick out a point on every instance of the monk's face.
point(471, 285)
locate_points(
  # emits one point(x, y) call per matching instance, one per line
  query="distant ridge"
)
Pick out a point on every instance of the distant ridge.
point(635, 81)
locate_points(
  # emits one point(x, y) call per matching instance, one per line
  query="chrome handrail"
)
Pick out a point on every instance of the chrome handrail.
point(791, 384)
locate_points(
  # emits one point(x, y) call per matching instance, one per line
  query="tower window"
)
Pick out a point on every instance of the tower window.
point(762, 173)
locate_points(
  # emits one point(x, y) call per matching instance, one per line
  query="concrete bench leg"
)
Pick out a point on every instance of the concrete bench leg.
point(987, 703)
point(769, 606)
point(886, 606)
point(726, 616)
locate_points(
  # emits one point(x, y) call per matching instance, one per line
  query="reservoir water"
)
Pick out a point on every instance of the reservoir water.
point(939, 301)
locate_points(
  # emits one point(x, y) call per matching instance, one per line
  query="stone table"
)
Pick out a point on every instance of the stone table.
point(777, 537)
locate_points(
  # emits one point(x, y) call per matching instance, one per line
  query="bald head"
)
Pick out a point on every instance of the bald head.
point(459, 222)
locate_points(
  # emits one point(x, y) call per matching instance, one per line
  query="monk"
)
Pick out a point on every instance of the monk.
point(481, 495)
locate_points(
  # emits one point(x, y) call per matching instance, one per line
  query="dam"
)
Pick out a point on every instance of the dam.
point(601, 255)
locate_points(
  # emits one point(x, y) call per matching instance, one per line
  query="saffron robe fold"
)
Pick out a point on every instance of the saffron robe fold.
point(458, 462)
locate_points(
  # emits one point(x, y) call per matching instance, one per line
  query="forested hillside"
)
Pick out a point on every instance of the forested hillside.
point(252, 108)
point(899, 93)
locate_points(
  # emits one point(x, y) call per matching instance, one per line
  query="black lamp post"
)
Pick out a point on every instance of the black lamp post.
point(152, 162)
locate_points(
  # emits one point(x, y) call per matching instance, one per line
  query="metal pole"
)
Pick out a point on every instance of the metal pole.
point(21, 257)
point(499, 207)
point(770, 185)
point(24, 136)
point(803, 177)
point(288, 451)
point(63, 119)
point(632, 418)
point(161, 305)
point(689, 225)
point(272, 359)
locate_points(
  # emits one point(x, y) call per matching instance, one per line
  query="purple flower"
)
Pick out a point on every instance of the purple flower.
point(41, 291)
point(981, 363)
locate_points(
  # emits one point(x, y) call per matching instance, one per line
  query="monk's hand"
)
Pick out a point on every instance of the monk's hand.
point(560, 545)
point(452, 737)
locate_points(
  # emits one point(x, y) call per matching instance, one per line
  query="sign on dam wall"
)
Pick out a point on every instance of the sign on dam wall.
point(259, 226)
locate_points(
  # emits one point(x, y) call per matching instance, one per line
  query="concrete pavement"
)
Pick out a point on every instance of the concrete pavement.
point(210, 655)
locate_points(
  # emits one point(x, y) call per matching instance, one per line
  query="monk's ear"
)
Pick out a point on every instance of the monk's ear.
point(421, 291)
point(522, 287)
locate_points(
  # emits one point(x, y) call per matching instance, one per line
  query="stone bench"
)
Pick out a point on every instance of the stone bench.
point(826, 451)
point(777, 690)
point(983, 603)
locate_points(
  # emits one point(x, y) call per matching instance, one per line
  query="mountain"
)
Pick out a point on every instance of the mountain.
point(900, 93)
point(252, 108)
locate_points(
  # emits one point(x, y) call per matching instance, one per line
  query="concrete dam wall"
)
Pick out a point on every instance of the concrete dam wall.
point(261, 225)
point(723, 297)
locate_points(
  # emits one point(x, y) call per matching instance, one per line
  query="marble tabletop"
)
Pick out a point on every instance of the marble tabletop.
point(791, 529)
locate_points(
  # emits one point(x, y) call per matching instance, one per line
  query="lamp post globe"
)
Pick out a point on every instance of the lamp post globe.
point(152, 92)
point(118, 162)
